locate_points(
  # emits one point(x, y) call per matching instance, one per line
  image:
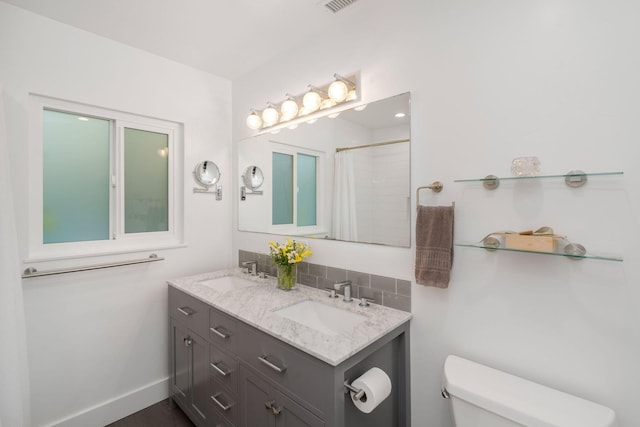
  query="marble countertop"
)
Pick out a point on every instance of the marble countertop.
point(255, 305)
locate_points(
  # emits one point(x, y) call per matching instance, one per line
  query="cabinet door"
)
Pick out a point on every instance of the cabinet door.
point(180, 355)
point(258, 399)
point(292, 414)
point(200, 379)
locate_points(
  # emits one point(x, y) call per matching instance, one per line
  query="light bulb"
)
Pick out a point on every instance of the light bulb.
point(270, 116)
point(327, 103)
point(289, 109)
point(338, 91)
point(351, 95)
point(311, 101)
point(254, 121)
point(303, 111)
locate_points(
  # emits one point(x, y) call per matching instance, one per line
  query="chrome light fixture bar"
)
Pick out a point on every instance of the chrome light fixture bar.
point(308, 106)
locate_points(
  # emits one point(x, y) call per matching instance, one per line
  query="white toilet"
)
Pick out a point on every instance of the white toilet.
point(484, 397)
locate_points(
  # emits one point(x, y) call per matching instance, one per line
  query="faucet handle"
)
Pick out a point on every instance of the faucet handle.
point(332, 292)
point(364, 302)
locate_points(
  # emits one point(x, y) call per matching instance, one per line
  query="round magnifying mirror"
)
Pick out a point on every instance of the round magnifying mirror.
point(253, 177)
point(206, 173)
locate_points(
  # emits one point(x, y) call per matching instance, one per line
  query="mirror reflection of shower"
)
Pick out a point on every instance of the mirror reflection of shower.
point(371, 202)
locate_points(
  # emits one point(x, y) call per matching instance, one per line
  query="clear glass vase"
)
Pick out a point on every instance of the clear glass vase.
point(287, 276)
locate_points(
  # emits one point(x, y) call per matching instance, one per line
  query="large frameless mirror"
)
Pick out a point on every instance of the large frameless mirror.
point(343, 178)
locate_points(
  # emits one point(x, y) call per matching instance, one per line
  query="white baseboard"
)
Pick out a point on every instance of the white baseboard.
point(118, 407)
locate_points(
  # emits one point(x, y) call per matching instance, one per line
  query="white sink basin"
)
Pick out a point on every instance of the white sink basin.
point(227, 283)
point(322, 317)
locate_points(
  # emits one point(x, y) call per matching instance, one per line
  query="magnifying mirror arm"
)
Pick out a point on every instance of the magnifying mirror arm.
point(244, 192)
point(217, 191)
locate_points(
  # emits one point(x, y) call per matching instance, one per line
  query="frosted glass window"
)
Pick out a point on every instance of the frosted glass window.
point(306, 203)
point(106, 184)
point(146, 181)
point(75, 178)
point(282, 206)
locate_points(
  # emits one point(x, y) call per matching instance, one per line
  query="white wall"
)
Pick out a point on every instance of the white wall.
point(490, 81)
point(97, 341)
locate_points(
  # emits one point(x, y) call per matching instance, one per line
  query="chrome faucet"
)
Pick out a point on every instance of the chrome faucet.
point(346, 285)
point(253, 265)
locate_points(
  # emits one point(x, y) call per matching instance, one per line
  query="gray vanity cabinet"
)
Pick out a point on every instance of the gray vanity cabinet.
point(223, 368)
point(189, 356)
point(241, 376)
point(266, 406)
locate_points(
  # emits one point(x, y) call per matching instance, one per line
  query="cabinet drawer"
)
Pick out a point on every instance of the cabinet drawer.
point(218, 420)
point(224, 402)
point(306, 377)
point(224, 368)
point(189, 311)
point(223, 331)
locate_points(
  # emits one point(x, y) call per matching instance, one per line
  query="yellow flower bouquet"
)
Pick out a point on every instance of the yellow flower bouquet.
point(285, 256)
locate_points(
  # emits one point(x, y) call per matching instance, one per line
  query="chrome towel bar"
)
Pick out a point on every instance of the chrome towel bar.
point(32, 272)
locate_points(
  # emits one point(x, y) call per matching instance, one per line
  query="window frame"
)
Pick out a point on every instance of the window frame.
point(119, 241)
point(293, 229)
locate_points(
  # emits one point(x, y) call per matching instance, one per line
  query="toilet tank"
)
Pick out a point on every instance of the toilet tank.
point(485, 397)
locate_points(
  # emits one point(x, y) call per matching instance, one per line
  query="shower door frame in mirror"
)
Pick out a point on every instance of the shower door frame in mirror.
point(380, 146)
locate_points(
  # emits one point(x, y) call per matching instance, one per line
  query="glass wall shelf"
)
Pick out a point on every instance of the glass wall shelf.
point(572, 178)
point(576, 257)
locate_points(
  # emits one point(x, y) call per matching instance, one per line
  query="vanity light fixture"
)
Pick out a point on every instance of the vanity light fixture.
point(307, 107)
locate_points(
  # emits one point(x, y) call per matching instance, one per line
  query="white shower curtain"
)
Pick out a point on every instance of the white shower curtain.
point(14, 380)
point(344, 224)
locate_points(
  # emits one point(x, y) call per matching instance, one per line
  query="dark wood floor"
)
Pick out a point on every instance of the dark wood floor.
point(159, 415)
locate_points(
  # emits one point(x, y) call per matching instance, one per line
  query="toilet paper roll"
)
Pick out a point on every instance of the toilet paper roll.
point(377, 387)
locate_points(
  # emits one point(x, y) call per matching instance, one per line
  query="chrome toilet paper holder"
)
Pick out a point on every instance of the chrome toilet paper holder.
point(359, 394)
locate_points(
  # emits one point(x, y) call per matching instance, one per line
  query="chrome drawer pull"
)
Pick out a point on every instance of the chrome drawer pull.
point(218, 333)
point(219, 403)
point(276, 368)
point(186, 310)
point(220, 371)
point(187, 341)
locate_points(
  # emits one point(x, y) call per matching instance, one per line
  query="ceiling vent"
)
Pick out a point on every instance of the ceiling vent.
point(336, 6)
